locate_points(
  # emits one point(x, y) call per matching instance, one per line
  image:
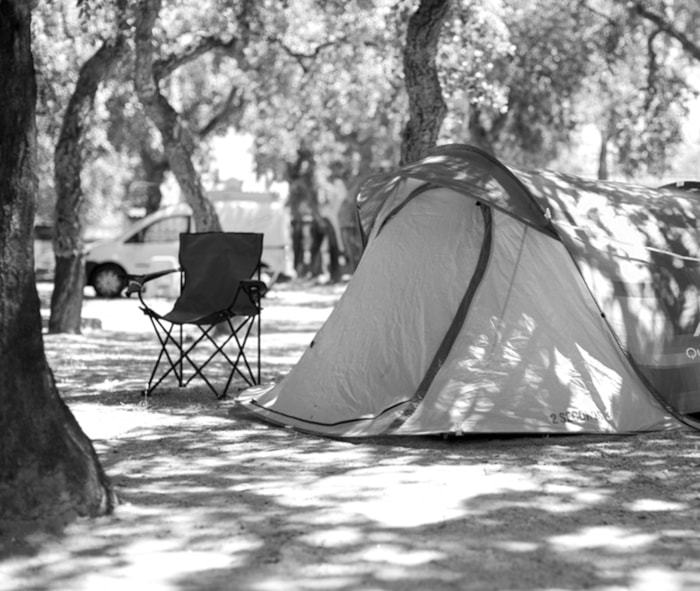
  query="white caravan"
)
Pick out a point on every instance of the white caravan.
point(151, 244)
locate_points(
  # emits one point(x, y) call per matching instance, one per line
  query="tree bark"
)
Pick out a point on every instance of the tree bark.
point(478, 134)
point(603, 174)
point(48, 466)
point(603, 160)
point(427, 108)
point(67, 296)
point(178, 142)
point(155, 165)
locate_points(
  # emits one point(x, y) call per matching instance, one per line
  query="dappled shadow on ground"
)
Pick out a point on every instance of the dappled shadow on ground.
point(214, 503)
point(211, 501)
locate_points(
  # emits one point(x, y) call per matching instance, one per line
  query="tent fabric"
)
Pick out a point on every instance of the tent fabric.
point(495, 300)
point(638, 250)
point(464, 170)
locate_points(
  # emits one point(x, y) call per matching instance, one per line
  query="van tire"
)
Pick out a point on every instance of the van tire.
point(108, 280)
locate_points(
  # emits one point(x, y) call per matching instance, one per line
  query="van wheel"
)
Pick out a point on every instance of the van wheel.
point(109, 281)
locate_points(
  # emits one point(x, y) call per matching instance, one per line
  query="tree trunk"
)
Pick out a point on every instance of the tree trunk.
point(178, 142)
point(67, 296)
point(426, 105)
point(48, 466)
point(603, 158)
point(155, 165)
point(478, 134)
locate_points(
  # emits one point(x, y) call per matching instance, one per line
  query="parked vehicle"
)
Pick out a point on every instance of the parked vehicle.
point(151, 244)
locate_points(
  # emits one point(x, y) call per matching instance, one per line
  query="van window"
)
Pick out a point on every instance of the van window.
point(165, 230)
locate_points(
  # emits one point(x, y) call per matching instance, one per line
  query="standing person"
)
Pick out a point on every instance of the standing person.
point(350, 231)
point(300, 210)
point(307, 233)
point(310, 226)
point(332, 196)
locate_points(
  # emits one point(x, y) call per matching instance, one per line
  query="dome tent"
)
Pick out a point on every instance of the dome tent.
point(495, 300)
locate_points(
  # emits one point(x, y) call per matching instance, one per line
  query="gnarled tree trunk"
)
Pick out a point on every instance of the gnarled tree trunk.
point(178, 142)
point(47, 464)
point(426, 105)
point(155, 165)
point(67, 296)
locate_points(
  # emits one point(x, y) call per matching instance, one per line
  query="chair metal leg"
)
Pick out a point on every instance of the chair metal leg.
point(173, 336)
point(164, 336)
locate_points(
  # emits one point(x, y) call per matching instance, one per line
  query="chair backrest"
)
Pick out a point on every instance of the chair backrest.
point(214, 263)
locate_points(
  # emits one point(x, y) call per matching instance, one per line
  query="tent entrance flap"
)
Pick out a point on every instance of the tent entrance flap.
point(393, 318)
point(457, 324)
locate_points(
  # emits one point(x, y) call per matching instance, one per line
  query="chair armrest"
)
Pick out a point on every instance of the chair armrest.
point(135, 283)
point(255, 288)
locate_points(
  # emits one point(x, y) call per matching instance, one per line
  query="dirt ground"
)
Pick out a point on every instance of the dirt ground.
point(211, 502)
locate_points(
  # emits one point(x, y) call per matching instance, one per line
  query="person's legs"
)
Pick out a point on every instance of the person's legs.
point(352, 245)
point(333, 251)
point(317, 236)
point(298, 246)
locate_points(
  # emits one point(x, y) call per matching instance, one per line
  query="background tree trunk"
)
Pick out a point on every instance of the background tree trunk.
point(178, 142)
point(426, 105)
point(47, 464)
point(67, 296)
point(479, 136)
point(603, 158)
point(155, 165)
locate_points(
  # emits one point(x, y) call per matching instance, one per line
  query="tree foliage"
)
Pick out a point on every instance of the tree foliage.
point(656, 44)
point(316, 86)
point(511, 73)
point(517, 78)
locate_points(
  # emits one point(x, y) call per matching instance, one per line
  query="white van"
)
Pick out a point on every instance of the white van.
point(151, 244)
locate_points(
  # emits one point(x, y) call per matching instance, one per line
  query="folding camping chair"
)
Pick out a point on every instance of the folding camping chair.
point(220, 301)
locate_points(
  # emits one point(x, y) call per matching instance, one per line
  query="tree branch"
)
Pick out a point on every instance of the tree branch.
point(668, 27)
point(234, 103)
point(652, 71)
point(304, 58)
point(233, 47)
point(168, 64)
